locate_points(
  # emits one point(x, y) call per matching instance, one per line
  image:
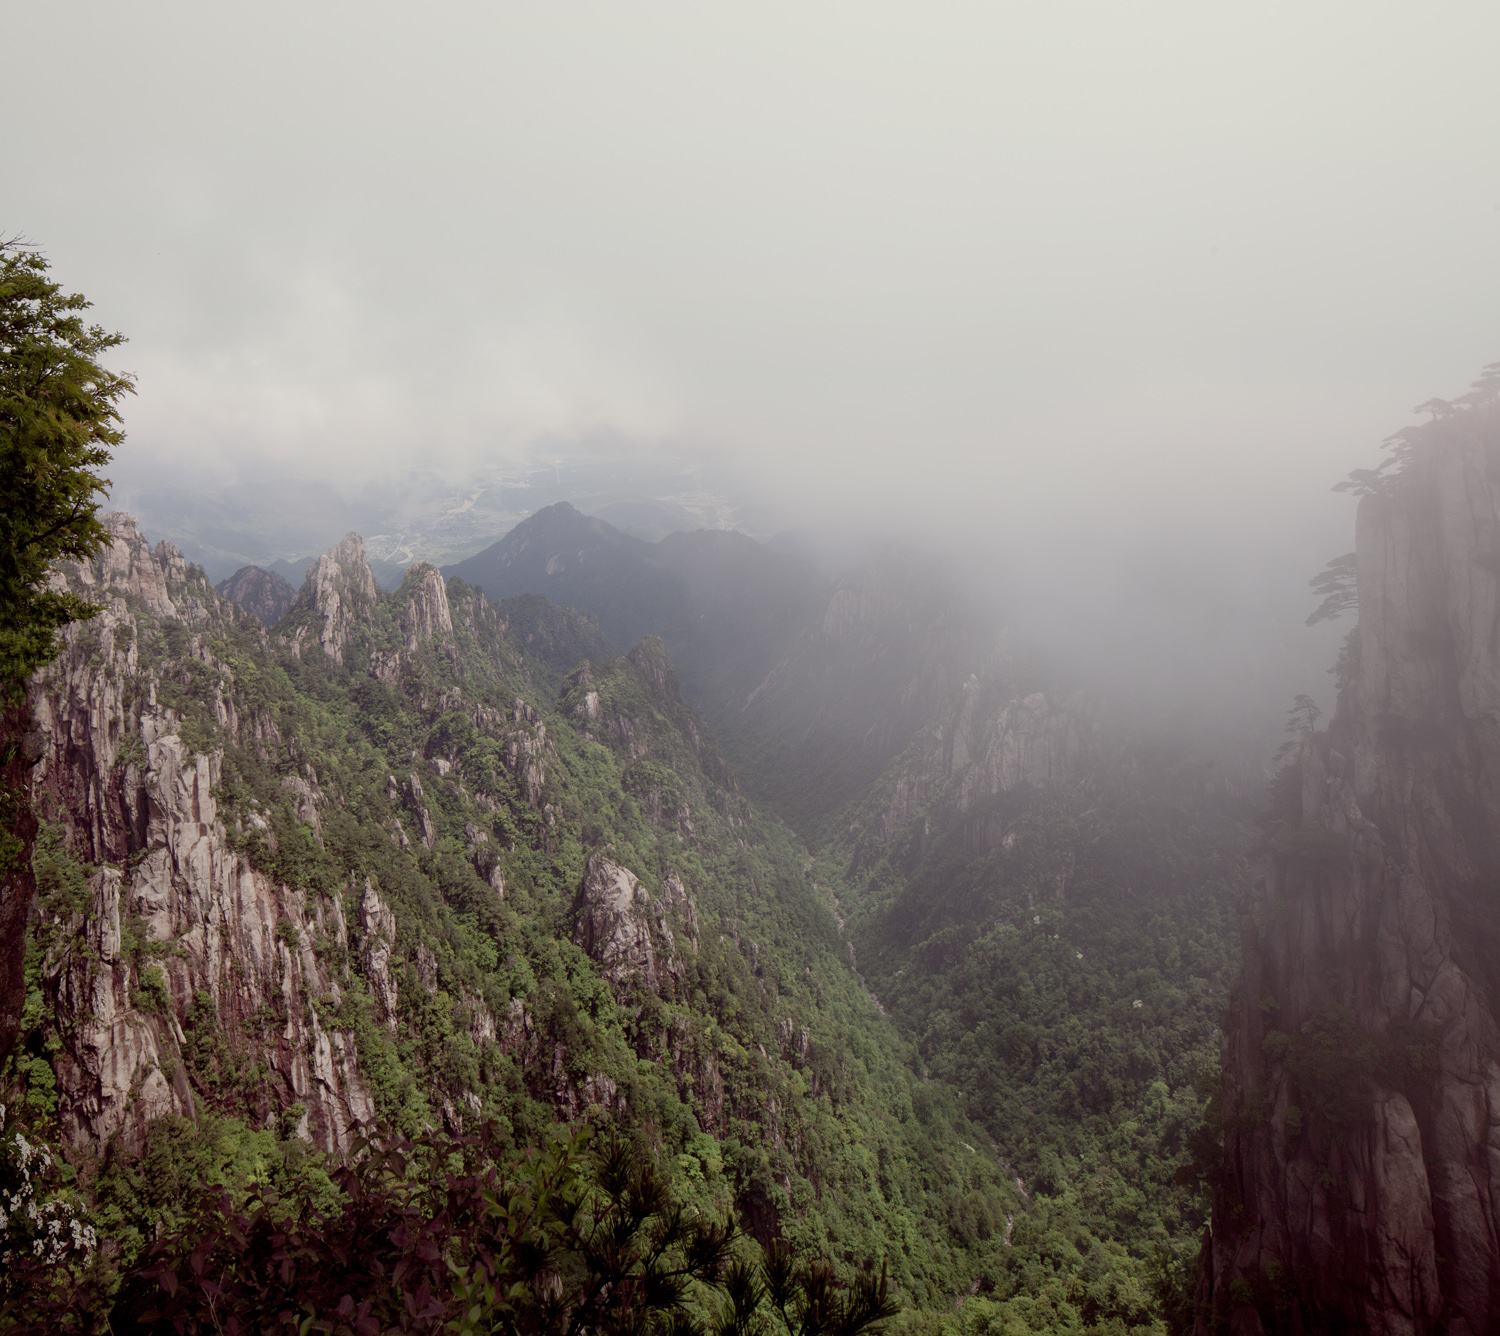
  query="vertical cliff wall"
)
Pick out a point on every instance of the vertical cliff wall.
point(176, 926)
point(1360, 1184)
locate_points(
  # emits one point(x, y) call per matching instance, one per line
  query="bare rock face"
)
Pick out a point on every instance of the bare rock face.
point(426, 615)
point(341, 594)
point(377, 936)
point(991, 742)
point(425, 619)
point(266, 594)
point(1031, 740)
point(1361, 1068)
point(622, 926)
point(180, 916)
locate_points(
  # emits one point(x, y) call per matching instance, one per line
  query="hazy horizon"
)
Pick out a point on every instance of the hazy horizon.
point(1107, 296)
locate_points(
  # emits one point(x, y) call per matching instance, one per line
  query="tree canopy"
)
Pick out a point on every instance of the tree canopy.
point(59, 422)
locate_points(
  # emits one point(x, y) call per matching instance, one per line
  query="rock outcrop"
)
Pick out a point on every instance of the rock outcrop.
point(624, 928)
point(1360, 1184)
point(426, 615)
point(173, 915)
point(266, 594)
point(995, 740)
point(339, 595)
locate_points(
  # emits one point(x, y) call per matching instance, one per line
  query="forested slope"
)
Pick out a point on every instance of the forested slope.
point(436, 860)
point(813, 684)
point(1047, 904)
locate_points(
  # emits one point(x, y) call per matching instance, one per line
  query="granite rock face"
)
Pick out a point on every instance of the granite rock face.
point(175, 915)
point(996, 739)
point(426, 615)
point(625, 928)
point(1360, 1183)
point(339, 596)
point(264, 593)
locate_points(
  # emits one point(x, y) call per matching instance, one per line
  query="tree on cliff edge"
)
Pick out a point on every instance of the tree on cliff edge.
point(58, 424)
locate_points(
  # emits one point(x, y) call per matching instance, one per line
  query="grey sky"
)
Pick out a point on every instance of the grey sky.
point(1188, 261)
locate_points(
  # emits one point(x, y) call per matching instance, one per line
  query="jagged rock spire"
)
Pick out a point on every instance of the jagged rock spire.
point(341, 591)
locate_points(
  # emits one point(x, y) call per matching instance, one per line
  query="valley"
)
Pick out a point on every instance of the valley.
point(869, 927)
point(909, 978)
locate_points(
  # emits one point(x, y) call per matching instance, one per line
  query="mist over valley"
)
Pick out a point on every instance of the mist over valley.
point(788, 672)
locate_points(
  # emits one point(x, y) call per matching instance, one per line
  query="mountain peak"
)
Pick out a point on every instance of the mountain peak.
point(576, 560)
point(555, 528)
point(265, 593)
point(340, 589)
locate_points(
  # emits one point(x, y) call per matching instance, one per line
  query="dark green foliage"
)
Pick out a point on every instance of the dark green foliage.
point(1063, 960)
point(452, 1235)
point(556, 645)
point(1336, 586)
point(58, 423)
point(1332, 1061)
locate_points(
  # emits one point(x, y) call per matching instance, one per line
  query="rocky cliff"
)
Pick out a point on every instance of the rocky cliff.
point(173, 913)
point(394, 860)
point(999, 737)
point(266, 594)
point(339, 597)
point(1360, 1182)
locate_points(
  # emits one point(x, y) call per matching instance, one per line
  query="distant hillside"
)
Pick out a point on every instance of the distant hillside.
point(812, 685)
point(265, 593)
point(579, 562)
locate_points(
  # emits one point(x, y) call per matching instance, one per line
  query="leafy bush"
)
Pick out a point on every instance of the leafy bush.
point(443, 1234)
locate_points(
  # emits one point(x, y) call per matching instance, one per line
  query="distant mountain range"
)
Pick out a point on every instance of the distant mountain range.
point(282, 523)
point(811, 682)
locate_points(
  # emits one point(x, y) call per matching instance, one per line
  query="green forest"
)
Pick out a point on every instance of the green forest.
point(998, 1132)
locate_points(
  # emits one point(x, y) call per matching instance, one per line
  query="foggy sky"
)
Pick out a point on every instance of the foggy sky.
point(1161, 266)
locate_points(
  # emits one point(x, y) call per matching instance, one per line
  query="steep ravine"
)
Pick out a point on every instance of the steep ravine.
point(428, 858)
point(1360, 1183)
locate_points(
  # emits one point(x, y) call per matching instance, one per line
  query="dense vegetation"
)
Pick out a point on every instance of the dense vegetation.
point(1003, 1131)
point(1061, 958)
point(59, 419)
point(759, 1076)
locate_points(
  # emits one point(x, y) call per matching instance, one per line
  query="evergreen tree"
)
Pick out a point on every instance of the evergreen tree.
point(58, 424)
point(59, 421)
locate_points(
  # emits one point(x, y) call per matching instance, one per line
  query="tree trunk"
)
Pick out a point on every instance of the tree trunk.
point(19, 750)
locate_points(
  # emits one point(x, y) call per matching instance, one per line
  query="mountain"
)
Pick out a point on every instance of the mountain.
point(579, 562)
point(442, 857)
point(811, 685)
point(434, 858)
point(1044, 898)
point(1360, 1103)
point(264, 593)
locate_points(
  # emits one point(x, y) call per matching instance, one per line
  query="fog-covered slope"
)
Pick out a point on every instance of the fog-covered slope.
point(1359, 1187)
point(433, 859)
point(1044, 899)
point(811, 684)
